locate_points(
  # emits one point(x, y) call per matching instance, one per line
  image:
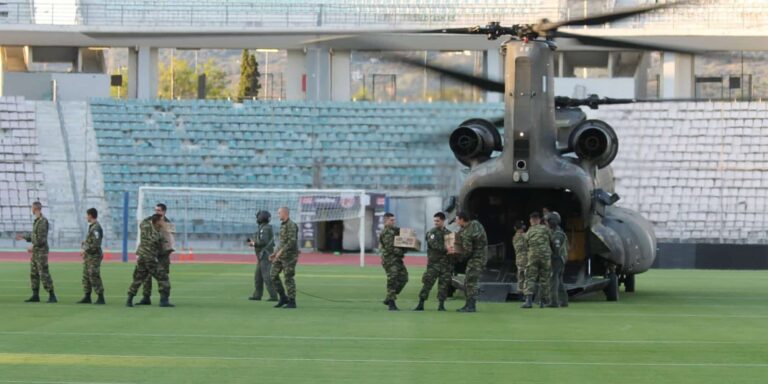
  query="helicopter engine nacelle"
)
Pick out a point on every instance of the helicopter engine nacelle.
point(474, 141)
point(595, 141)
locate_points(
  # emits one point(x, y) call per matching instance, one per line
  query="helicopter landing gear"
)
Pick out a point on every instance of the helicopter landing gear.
point(612, 289)
point(629, 283)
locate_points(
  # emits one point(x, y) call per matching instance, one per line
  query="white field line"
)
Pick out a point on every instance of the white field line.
point(376, 339)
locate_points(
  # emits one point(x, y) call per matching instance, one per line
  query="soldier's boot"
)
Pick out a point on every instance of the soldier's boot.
point(164, 302)
point(283, 300)
point(441, 306)
point(254, 298)
point(145, 300)
point(272, 299)
point(552, 304)
point(469, 307)
point(386, 301)
point(129, 302)
point(462, 309)
point(35, 298)
point(393, 306)
point(86, 299)
point(528, 302)
point(420, 307)
point(543, 303)
point(291, 304)
point(100, 300)
point(52, 297)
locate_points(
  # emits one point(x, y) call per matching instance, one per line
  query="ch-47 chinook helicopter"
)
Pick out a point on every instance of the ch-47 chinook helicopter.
point(551, 156)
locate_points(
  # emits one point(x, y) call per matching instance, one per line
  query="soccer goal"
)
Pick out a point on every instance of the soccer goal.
point(222, 218)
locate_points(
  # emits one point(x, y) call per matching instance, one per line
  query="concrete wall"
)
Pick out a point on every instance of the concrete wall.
point(71, 86)
point(617, 87)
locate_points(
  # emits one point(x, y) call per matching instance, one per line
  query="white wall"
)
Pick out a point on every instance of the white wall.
point(616, 87)
point(71, 86)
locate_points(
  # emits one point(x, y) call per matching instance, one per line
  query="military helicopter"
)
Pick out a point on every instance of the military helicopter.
point(551, 156)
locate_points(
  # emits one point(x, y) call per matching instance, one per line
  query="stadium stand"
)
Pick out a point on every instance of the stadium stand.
point(696, 170)
point(277, 144)
point(21, 178)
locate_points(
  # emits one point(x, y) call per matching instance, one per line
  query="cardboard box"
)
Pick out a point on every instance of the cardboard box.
point(410, 242)
point(451, 239)
point(407, 232)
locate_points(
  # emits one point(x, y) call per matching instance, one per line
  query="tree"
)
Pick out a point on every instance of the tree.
point(177, 80)
point(216, 86)
point(249, 77)
point(184, 82)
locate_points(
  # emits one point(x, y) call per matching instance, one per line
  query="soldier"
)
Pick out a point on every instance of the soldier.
point(39, 250)
point(538, 271)
point(474, 244)
point(284, 260)
point(558, 296)
point(167, 229)
point(92, 257)
point(263, 244)
point(439, 266)
point(150, 246)
point(521, 255)
point(392, 261)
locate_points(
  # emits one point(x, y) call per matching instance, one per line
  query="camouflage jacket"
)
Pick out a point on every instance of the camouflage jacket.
point(559, 244)
point(538, 241)
point(150, 243)
point(39, 235)
point(473, 240)
point(387, 247)
point(435, 240)
point(521, 253)
point(92, 243)
point(289, 240)
point(264, 241)
point(167, 229)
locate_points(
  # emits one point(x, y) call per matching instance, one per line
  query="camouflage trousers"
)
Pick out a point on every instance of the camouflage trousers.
point(39, 271)
point(537, 275)
point(92, 275)
point(262, 278)
point(440, 271)
point(397, 276)
point(164, 263)
point(287, 266)
point(475, 267)
point(558, 293)
point(521, 278)
point(146, 267)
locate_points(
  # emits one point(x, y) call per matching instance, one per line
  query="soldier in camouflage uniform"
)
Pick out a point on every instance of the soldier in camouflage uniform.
point(521, 255)
point(92, 257)
point(558, 296)
point(439, 265)
point(39, 261)
point(284, 260)
point(392, 261)
point(263, 244)
point(150, 246)
point(167, 229)
point(538, 241)
point(474, 247)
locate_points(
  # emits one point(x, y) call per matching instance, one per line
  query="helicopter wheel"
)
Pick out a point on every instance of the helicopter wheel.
point(612, 290)
point(629, 283)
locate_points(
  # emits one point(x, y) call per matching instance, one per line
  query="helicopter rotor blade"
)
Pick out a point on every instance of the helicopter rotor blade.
point(612, 43)
point(478, 81)
point(604, 18)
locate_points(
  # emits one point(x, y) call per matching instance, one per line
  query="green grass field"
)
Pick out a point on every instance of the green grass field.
point(679, 327)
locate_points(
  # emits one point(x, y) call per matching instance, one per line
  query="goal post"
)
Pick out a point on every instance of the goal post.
point(221, 218)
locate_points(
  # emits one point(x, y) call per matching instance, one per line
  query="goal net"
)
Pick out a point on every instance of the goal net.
point(223, 218)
